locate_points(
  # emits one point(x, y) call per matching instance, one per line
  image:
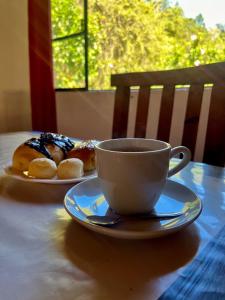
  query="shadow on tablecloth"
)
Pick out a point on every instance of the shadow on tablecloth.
point(121, 266)
point(35, 193)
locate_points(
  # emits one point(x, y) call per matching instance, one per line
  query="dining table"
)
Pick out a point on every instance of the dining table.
point(45, 254)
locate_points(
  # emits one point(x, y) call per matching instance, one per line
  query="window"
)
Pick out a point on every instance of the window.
point(132, 36)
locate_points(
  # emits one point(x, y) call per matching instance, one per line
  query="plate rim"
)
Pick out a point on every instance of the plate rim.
point(48, 181)
point(128, 234)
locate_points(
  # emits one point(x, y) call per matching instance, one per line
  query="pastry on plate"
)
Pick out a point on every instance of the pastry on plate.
point(43, 168)
point(48, 145)
point(70, 168)
point(85, 151)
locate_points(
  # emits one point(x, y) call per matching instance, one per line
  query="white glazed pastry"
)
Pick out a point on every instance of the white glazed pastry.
point(70, 168)
point(42, 168)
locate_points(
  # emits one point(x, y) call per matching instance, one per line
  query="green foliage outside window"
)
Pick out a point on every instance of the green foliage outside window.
point(129, 36)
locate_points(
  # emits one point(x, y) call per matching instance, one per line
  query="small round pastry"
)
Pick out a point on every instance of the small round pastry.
point(42, 168)
point(70, 168)
point(85, 151)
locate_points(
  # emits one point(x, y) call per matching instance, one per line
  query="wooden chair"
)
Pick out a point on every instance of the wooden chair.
point(196, 78)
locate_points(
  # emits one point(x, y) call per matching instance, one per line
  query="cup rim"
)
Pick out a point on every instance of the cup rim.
point(98, 146)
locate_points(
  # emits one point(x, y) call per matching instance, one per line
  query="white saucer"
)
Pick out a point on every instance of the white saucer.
point(86, 198)
point(23, 177)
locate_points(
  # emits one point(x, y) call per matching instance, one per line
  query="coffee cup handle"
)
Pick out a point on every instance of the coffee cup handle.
point(184, 161)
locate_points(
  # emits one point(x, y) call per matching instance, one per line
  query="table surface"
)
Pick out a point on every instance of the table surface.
point(46, 255)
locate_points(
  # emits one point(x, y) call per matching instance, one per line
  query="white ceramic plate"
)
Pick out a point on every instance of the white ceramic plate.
point(23, 177)
point(86, 198)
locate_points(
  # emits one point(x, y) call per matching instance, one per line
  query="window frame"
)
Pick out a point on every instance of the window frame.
point(42, 92)
point(83, 33)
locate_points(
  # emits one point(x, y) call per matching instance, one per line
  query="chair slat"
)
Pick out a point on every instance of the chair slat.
point(215, 137)
point(166, 111)
point(192, 116)
point(142, 111)
point(121, 110)
point(211, 73)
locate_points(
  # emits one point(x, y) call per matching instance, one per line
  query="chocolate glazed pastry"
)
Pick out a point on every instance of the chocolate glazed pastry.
point(50, 145)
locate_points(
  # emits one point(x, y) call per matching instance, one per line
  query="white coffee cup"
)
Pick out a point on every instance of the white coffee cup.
point(133, 172)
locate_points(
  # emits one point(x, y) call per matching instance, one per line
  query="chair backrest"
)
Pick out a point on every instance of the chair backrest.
point(196, 78)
